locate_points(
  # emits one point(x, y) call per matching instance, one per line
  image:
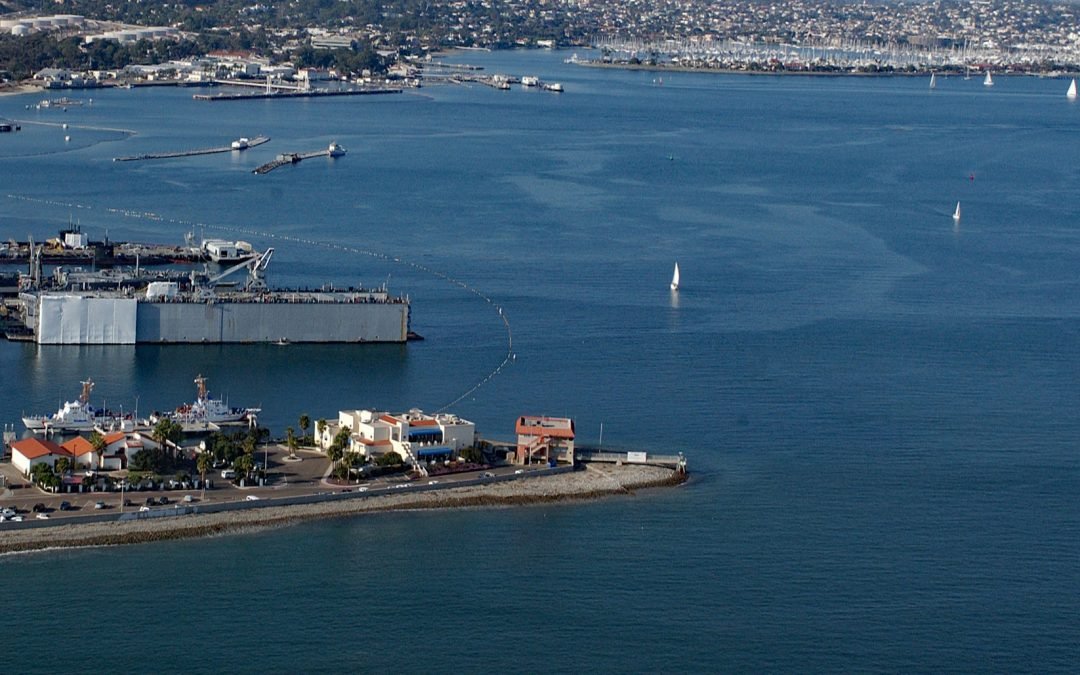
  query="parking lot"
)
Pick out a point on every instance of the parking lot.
point(285, 478)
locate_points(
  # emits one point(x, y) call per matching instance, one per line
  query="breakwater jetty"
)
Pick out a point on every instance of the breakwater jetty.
point(243, 144)
point(209, 518)
point(310, 93)
point(286, 158)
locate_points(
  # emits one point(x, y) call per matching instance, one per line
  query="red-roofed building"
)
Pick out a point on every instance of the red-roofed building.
point(542, 438)
point(30, 451)
point(83, 452)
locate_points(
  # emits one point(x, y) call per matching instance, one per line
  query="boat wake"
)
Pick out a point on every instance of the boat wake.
point(507, 359)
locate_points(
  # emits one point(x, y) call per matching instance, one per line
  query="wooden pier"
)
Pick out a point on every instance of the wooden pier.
point(258, 140)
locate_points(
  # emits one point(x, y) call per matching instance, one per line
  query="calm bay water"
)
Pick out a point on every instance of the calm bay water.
point(878, 405)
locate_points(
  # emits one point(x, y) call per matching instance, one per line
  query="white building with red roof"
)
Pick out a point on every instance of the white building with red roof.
point(30, 451)
point(83, 451)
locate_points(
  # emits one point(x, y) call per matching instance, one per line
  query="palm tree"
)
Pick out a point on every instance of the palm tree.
point(203, 464)
point(335, 452)
point(290, 440)
point(244, 465)
point(167, 431)
point(305, 422)
point(99, 445)
point(320, 427)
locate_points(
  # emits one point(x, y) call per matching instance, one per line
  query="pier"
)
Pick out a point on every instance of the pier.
point(676, 462)
point(309, 93)
point(292, 158)
point(258, 140)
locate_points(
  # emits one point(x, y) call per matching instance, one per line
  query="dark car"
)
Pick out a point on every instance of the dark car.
point(65, 506)
point(150, 501)
point(163, 501)
point(40, 508)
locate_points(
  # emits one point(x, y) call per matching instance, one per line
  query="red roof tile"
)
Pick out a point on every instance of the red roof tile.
point(32, 448)
point(78, 446)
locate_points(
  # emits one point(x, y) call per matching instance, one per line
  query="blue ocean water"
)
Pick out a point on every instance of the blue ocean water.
point(878, 404)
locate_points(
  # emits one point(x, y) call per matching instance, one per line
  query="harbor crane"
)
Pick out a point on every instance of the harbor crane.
point(256, 281)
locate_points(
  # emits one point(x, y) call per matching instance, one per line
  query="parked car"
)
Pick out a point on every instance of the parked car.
point(188, 498)
point(7, 512)
point(228, 474)
point(128, 502)
point(99, 505)
point(150, 501)
point(42, 516)
point(65, 506)
point(143, 508)
point(252, 498)
point(487, 474)
point(163, 501)
point(40, 508)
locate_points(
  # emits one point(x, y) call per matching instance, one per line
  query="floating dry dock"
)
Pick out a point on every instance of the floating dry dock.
point(258, 140)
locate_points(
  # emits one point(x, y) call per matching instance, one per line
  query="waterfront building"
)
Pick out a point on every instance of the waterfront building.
point(544, 439)
point(415, 435)
point(30, 451)
point(82, 450)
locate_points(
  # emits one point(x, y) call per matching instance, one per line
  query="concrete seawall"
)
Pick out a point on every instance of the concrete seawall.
point(553, 485)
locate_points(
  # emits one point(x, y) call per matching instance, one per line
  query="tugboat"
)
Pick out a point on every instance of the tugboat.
point(205, 410)
point(76, 416)
point(335, 150)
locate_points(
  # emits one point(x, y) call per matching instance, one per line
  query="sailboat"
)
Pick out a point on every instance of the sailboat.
point(956, 213)
point(1072, 90)
point(933, 81)
point(675, 278)
point(989, 81)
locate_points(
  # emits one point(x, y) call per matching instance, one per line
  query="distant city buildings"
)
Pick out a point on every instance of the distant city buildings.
point(1033, 34)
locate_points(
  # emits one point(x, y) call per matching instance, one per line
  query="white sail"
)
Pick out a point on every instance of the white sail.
point(1072, 89)
point(989, 81)
point(956, 213)
point(933, 80)
point(675, 278)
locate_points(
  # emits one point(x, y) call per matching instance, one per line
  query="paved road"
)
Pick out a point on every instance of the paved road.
point(286, 479)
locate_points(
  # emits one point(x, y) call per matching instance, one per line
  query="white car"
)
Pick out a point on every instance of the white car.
point(16, 519)
point(7, 512)
point(252, 498)
point(520, 471)
point(188, 498)
point(362, 489)
point(433, 482)
point(42, 516)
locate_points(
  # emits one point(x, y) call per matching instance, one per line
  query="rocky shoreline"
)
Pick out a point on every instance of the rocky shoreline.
point(593, 482)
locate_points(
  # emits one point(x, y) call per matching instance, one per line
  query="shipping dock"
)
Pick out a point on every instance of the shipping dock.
point(237, 146)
